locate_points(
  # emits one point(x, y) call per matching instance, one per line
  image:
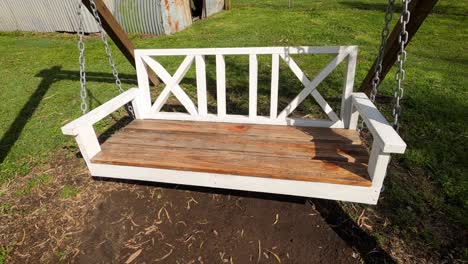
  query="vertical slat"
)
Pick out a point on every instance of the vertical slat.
point(346, 103)
point(201, 85)
point(144, 98)
point(253, 80)
point(274, 86)
point(221, 84)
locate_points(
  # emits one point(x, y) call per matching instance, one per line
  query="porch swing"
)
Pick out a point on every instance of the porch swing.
point(271, 154)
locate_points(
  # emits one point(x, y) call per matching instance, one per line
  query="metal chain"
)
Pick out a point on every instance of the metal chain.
point(110, 58)
point(401, 59)
point(383, 42)
point(103, 34)
point(81, 48)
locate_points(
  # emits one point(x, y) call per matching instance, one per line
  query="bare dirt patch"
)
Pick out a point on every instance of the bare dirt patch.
point(58, 213)
point(118, 222)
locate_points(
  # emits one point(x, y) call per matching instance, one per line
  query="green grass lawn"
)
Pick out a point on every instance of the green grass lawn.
point(40, 91)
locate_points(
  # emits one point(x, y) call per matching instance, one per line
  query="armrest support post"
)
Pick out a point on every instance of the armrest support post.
point(377, 167)
point(87, 142)
point(353, 118)
point(82, 128)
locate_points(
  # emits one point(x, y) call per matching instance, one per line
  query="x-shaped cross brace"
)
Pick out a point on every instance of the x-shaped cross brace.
point(172, 84)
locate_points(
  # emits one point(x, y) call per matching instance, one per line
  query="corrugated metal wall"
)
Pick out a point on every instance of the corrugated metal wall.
point(214, 6)
point(136, 16)
point(42, 16)
point(139, 16)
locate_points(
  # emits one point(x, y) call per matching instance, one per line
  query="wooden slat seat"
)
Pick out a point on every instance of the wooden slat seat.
point(280, 152)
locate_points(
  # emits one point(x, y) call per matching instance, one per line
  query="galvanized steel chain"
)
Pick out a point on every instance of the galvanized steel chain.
point(383, 42)
point(401, 59)
point(81, 48)
point(110, 58)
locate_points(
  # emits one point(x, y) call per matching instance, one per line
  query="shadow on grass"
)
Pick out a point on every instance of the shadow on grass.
point(16, 128)
point(370, 6)
point(50, 76)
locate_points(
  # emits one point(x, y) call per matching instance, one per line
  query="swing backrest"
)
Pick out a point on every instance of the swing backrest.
point(147, 59)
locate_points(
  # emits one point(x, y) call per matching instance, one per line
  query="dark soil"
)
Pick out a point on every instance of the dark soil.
point(119, 222)
point(180, 226)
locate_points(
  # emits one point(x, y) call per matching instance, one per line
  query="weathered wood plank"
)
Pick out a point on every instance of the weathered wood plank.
point(227, 162)
point(321, 150)
point(283, 132)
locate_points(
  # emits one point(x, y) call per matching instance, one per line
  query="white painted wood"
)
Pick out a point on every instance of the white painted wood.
point(346, 103)
point(242, 51)
point(221, 85)
point(384, 135)
point(386, 140)
point(354, 118)
point(284, 52)
point(274, 86)
point(172, 83)
point(377, 167)
point(88, 143)
point(244, 119)
point(144, 98)
point(234, 182)
point(310, 86)
point(253, 81)
point(201, 85)
point(100, 112)
point(324, 105)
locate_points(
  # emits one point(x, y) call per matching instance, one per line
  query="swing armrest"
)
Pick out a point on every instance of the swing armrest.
point(385, 136)
point(89, 119)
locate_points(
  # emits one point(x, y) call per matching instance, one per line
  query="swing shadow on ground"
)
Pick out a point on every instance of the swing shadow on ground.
point(49, 77)
point(331, 211)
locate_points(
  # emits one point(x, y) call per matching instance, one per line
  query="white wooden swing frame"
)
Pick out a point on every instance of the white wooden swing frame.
point(353, 105)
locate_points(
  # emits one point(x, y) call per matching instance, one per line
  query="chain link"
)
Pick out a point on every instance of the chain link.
point(401, 59)
point(110, 58)
point(81, 48)
point(378, 66)
point(383, 43)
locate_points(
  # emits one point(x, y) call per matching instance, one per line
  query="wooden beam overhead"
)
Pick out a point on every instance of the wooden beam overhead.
point(117, 34)
point(419, 10)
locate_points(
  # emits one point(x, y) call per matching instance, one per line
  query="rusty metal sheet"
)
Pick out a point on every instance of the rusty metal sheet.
point(176, 15)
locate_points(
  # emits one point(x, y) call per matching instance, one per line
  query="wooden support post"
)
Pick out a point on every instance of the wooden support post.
point(117, 34)
point(227, 4)
point(419, 10)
